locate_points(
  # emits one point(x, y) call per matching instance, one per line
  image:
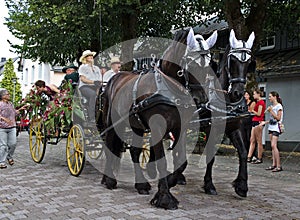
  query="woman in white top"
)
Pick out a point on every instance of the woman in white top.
point(276, 116)
point(90, 77)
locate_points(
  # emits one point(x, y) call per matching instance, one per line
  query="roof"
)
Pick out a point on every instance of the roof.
point(2, 64)
point(280, 63)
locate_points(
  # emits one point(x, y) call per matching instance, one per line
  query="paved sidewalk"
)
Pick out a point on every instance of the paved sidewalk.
point(48, 191)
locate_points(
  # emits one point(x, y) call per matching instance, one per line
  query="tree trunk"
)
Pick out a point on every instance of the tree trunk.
point(128, 35)
point(253, 22)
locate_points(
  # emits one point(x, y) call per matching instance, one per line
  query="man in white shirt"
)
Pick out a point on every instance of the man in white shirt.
point(115, 68)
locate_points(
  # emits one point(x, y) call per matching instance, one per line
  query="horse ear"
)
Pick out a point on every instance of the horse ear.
point(191, 40)
point(232, 39)
point(212, 39)
point(250, 40)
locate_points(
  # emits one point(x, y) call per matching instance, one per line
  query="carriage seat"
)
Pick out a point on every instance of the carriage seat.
point(83, 100)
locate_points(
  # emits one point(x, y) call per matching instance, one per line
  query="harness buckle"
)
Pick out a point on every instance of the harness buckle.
point(177, 101)
point(180, 73)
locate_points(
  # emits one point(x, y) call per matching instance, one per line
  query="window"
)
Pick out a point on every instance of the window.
point(268, 43)
point(32, 74)
point(26, 77)
point(40, 71)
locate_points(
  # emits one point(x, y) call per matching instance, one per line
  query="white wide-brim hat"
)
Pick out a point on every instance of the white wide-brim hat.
point(85, 54)
point(114, 60)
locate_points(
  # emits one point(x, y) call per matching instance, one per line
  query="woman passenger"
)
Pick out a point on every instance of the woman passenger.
point(90, 77)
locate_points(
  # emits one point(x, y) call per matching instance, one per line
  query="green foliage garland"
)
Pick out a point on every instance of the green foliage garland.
point(57, 113)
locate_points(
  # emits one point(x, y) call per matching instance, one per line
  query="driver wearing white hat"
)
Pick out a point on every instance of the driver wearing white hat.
point(90, 77)
point(115, 68)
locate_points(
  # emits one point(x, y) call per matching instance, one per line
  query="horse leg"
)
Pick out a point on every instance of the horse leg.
point(141, 184)
point(151, 165)
point(240, 183)
point(209, 187)
point(179, 158)
point(210, 151)
point(113, 154)
point(163, 198)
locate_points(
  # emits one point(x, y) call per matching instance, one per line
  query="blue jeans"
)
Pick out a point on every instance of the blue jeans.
point(8, 142)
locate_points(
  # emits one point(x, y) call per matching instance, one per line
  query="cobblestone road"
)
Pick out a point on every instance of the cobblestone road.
point(48, 191)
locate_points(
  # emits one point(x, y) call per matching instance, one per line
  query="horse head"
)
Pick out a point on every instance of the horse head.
point(237, 59)
point(188, 60)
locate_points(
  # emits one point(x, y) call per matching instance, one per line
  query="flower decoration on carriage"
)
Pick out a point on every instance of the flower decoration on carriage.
point(59, 111)
point(55, 113)
point(35, 102)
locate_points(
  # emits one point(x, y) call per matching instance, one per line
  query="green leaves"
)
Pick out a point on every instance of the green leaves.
point(57, 114)
point(7, 82)
point(57, 31)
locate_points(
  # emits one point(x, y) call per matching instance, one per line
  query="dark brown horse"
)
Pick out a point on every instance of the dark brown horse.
point(160, 101)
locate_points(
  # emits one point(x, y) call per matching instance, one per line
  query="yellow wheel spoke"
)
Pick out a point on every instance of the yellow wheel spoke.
point(75, 150)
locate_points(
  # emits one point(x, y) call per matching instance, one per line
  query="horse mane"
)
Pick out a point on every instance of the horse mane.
point(224, 61)
point(223, 65)
point(174, 53)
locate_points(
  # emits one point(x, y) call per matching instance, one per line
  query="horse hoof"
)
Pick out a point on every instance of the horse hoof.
point(211, 192)
point(143, 188)
point(241, 193)
point(240, 188)
point(165, 201)
point(110, 183)
point(143, 192)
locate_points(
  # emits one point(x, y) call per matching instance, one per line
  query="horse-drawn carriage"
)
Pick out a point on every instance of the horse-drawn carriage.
point(65, 119)
point(162, 101)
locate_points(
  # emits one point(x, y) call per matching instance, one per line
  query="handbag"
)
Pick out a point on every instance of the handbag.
point(281, 127)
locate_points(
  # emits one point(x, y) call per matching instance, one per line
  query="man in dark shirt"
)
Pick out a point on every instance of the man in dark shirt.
point(71, 73)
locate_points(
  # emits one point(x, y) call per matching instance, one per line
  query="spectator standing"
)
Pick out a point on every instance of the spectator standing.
point(276, 117)
point(90, 81)
point(8, 136)
point(257, 128)
point(247, 122)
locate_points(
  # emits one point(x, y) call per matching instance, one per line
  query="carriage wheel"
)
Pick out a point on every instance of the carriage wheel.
point(145, 155)
point(37, 140)
point(75, 150)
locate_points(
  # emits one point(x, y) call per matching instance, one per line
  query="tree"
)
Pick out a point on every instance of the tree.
point(64, 28)
point(7, 81)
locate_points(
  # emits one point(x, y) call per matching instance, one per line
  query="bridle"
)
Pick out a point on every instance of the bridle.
point(184, 71)
point(243, 52)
